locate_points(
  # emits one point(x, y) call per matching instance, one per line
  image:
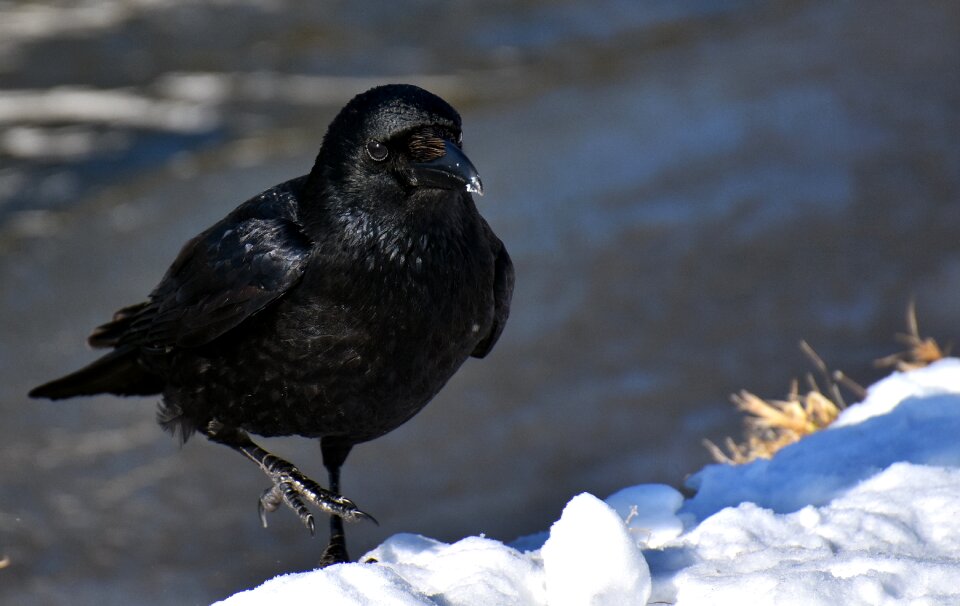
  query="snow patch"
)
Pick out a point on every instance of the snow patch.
point(650, 511)
point(341, 584)
point(892, 539)
point(885, 395)
point(592, 559)
point(474, 570)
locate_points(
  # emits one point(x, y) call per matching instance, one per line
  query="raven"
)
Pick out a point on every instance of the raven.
point(332, 306)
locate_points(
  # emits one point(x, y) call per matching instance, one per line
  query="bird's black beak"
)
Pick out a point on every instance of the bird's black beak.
point(452, 170)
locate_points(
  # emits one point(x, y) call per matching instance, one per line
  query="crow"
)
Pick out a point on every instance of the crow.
point(333, 306)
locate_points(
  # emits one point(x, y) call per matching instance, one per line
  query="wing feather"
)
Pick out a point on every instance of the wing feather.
point(223, 276)
point(502, 294)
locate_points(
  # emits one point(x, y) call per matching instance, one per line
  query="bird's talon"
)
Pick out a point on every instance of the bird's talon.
point(262, 512)
point(292, 488)
point(270, 499)
point(269, 502)
point(358, 515)
point(345, 502)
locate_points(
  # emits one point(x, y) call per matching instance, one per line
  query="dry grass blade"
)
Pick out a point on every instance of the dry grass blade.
point(737, 454)
point(774, 424)
point(785, 415)
point(920, 352)
point(829, 377)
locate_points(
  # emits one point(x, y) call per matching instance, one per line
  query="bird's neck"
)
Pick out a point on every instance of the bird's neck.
point(424, 227)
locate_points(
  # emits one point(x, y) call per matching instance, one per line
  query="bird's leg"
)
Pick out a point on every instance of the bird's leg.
point(334, 454)
point(290, 486)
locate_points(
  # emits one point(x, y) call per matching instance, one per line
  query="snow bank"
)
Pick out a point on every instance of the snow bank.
point(893, 539)
point(591, 558)
point(866, 512)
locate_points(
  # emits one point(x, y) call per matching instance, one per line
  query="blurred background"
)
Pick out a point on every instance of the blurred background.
point(687, 190)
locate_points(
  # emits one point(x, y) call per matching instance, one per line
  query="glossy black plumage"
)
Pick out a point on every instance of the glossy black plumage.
point(332, 306)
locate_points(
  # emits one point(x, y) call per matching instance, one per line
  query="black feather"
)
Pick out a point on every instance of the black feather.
point(118, 372)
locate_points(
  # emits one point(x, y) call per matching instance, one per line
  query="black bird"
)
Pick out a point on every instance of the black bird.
point(332, 306)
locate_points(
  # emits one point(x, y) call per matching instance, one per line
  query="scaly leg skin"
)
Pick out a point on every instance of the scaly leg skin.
point(334, 454)
point(290, 486)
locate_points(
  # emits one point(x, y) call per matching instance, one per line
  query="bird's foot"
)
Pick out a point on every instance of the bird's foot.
point(336, 551)
point(292, 488)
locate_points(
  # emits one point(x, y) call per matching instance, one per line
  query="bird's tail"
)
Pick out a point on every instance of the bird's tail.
point(118, 372)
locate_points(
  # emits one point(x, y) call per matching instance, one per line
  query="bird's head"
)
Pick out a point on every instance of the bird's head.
point(395, 142)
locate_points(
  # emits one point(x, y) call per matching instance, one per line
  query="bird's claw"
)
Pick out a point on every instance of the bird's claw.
point(292, 488)
point(362, 515)
point(284, 493)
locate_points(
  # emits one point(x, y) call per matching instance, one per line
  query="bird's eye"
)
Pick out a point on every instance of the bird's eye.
point(460, 139)
point(377, 151)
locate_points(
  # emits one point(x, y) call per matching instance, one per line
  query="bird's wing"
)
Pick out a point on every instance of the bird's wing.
point(502, 293)
point(220, 278)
